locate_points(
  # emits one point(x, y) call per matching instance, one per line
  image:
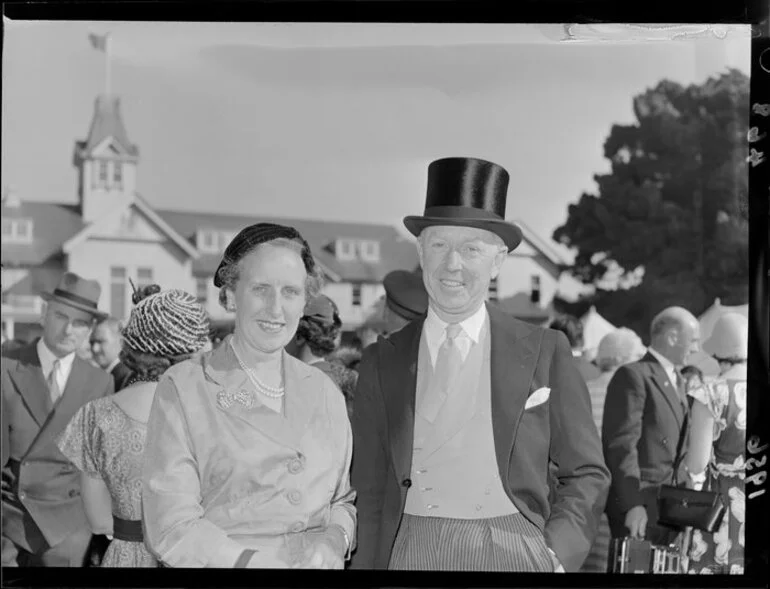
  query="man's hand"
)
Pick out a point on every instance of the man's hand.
point(636, 521)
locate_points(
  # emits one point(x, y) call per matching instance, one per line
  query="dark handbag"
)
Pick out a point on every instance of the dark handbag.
point(680, 508)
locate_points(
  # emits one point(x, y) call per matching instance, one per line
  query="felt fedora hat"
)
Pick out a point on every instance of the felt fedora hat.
point(405, 294)
point(77, 292)
point(466, 192)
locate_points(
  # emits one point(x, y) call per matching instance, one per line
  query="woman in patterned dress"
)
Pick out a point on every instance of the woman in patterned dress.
point(715, 458)
point(105, 440)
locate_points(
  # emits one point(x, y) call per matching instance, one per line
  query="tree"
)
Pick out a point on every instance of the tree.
point(673, 206)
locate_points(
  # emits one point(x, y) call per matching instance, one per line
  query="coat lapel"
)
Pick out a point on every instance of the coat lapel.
point(75, 395)
point(236, 395)
point(663, 382)
point(513, 358)
point(31, 384)
point(398, 373)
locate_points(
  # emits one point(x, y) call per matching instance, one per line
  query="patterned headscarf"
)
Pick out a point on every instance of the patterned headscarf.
point(167, 323)
point(252, 236)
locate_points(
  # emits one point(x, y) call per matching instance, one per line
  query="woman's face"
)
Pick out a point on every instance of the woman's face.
point(269, 297)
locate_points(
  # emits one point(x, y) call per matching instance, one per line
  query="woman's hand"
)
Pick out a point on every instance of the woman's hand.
point(323, 549)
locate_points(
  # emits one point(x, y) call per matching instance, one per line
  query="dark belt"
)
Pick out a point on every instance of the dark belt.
point(128, 530)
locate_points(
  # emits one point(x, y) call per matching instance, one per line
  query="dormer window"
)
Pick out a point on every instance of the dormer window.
point(345, 250)
point(17, 231)
point(208, 241)
point(370, 251)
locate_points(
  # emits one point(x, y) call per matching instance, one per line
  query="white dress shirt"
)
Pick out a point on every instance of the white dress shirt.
point(434, 330)
point(47, 359)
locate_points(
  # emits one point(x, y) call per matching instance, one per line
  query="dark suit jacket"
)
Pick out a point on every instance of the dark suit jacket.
point(41, 502)
point(644, 423)
point(524, 358)
point(120, 375)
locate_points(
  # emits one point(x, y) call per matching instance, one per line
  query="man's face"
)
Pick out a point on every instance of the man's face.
point(458, 263)
point(685, 343)
point(65, 329)
point(105, 345)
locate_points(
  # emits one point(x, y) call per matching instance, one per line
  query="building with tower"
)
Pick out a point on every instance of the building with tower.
point(116, 236)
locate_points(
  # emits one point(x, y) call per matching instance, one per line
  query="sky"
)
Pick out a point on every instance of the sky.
point(338, 121)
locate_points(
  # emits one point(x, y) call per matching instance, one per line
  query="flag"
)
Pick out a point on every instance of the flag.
point(99, 42)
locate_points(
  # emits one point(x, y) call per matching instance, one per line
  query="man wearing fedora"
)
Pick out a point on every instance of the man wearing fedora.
point(43, 385)
point(405, 299)
point(458, 414)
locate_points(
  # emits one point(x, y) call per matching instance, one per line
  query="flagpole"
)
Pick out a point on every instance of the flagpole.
point(107, 48)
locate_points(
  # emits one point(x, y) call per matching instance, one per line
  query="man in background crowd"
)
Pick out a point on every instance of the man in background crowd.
point(644, 426)
point(573, 329)
point(43, 384)
point(106, 344)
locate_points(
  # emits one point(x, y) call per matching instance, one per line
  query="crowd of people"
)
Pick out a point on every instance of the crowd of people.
point(452, 437)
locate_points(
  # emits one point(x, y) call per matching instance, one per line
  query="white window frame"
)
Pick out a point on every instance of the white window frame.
point(536, 285)
point(117, 174)
point(202, 288)
point(493, 286)
point(145, 281)
point(17, 230)
point(370, 250)
point(118, 283)
point(207, 241)
point(345, 249)
point(356, 292)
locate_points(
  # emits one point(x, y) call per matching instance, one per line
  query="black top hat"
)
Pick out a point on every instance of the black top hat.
point(467, 192)
point(405, 294)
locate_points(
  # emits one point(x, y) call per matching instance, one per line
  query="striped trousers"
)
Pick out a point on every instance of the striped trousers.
point(505, 543)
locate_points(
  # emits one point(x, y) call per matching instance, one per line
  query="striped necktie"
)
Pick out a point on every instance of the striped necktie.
point(448, 362)
point(53, 382)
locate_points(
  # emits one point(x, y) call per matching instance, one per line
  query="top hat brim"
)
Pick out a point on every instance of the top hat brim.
point(49, 296)
point(508, 232)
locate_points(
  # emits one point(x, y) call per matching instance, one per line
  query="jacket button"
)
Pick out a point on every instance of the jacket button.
point(406, 483)
point(22, 495)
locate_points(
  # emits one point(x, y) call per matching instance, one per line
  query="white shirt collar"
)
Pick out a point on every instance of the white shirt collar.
point(112, 365)
point(47, 358)
point(434, 330)
point(667, 364)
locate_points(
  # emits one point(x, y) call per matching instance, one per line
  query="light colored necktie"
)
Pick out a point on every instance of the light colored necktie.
point(53, 382)
point(448, 362)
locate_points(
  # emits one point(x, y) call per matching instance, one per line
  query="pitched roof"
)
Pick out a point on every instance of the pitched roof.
point(540, 244)
point(53, 225)
point(144, 207)
point(396, 251)
point(107, 122)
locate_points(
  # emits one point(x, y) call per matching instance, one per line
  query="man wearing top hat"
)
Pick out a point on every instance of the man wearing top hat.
point(458, 414)
point(43, 385)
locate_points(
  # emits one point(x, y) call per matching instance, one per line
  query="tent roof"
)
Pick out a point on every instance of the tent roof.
point(595, 327)
point(710, 316)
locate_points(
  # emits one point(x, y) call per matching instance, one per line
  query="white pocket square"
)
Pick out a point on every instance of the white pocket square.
point(539, 397)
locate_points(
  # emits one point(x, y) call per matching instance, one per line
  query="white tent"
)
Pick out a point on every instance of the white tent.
point(595, 327)
point(710, 316)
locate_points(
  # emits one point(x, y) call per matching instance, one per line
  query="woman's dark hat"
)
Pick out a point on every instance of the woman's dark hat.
point(466, 192)
point(253, 235)
point(77, 292)
point(405, 294)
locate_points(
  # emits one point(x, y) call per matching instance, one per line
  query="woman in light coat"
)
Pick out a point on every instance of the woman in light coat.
point(249, 449)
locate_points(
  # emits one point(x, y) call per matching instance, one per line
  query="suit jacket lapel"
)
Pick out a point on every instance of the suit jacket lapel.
point(398, 373)
point(227, 378)
point(31, 384)
point(75, 395)
point(663, 382)
point(513, 358)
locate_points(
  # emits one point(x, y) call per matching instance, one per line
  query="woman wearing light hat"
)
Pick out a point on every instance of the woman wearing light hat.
point(106, 438)
point(715, 456)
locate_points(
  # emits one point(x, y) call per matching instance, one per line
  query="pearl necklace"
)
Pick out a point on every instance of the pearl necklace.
point(268, 391)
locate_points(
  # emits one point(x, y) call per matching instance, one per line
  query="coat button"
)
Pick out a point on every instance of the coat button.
point(297, 527)
point(406, 483)
point(295, 466)
point(295, 497)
